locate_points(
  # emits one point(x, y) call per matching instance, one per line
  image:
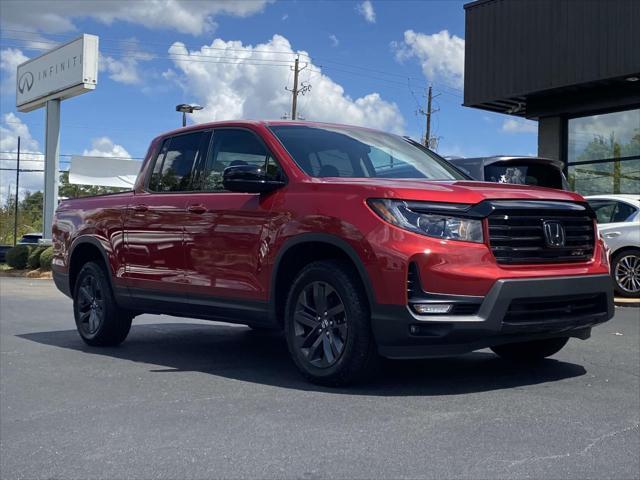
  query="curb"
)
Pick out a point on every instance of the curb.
point(626, 302)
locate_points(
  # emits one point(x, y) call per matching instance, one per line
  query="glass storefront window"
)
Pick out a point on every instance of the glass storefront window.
point(604, 153)
point(606, 177)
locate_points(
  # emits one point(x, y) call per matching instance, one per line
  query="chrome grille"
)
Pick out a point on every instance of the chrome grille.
point(517, 232)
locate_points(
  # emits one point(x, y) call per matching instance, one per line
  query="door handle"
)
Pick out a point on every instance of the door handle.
point(612, 235)
point(140, 208)
point(199, 209)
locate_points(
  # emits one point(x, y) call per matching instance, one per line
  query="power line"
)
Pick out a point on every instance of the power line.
point(454, 91)
point(28, 170)
point(71, 125)
point(135, 43)
point(199, 58)
point(22, 152)
point(25, 160)
point(142, 55)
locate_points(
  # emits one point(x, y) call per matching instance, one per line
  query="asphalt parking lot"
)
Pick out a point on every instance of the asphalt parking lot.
point(191, 399)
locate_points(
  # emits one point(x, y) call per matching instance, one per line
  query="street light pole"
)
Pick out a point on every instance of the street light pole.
point(186, 108)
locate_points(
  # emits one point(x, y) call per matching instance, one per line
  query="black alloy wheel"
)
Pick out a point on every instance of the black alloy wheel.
point(320, 324)
point(100, 321)
point(327, 324)
point(90, 305)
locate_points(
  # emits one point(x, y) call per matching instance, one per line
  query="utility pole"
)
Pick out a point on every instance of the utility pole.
point(428, 141)
point(15, 207)
point(295, 91)
point(427, 137)
point(294, 101)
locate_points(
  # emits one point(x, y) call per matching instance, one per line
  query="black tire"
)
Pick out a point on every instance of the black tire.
point(99, 320)
point(347, 353)
point(532, 351)
point(625, 273)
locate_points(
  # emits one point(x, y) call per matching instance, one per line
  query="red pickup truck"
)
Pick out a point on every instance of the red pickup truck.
point(356, 243)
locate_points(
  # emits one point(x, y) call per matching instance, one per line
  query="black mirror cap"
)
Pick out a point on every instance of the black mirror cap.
point(248, 179)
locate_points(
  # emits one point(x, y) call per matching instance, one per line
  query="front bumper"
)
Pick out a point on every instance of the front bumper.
point(514, 310)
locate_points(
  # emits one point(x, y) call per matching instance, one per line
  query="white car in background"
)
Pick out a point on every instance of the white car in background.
point(618, 218)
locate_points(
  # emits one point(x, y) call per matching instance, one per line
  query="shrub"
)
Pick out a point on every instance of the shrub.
point(18, 256)
point(46, 258)
point(33, 260)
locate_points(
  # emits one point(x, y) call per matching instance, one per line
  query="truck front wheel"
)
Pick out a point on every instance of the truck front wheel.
point(530, 351)
point(99, 320)
point(327, 325)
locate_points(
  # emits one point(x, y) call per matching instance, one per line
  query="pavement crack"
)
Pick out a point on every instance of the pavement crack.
point(580, 453)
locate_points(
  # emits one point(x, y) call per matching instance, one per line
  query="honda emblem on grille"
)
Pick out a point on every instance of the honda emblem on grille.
point(554, 234)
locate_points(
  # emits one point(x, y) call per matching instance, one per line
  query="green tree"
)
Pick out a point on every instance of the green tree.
point(30, 207)
point(29, 216)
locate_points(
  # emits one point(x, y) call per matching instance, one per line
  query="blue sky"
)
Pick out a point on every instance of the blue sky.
point(369, 63)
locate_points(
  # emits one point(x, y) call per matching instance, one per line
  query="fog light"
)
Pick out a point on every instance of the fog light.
point(432, 308)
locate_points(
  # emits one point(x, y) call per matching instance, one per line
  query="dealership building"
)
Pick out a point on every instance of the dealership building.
point(574, 66)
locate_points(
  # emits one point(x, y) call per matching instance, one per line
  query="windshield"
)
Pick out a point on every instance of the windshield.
point(359, 153)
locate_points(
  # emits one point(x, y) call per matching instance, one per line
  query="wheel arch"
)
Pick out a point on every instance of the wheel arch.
point(299, 251)
point(624, 249)
point(83, 250)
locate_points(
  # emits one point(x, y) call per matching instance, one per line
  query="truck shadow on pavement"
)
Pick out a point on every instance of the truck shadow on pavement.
point(239, 353)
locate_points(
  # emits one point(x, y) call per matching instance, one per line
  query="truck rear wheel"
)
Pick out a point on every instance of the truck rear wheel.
point(99, 320)
point(530, 351)
point(327, 325)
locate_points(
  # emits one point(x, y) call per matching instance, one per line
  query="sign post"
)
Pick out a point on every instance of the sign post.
point(64, 72)
point(51, 166)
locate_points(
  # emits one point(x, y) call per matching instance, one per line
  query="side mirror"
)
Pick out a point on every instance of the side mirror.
point(249, 179)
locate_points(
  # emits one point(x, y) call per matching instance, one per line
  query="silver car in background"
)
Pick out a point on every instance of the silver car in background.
point(618, 218)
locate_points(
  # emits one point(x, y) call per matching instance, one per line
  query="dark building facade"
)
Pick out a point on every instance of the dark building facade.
point(572, 65)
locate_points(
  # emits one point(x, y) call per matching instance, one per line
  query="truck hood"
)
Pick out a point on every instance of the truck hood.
point(469, 192)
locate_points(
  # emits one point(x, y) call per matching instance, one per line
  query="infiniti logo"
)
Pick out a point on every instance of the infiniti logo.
point(554, 234)
point(25, 82)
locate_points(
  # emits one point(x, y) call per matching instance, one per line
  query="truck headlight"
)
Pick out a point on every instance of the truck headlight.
point(416, 217)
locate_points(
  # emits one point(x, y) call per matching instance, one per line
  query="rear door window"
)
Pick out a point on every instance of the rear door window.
point(622, 212)
point(176, 162)
point(604, 210)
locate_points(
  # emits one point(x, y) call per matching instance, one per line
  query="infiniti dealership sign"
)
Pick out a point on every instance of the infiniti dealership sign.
point(64, 72)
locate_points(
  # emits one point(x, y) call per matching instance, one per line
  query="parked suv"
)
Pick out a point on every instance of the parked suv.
point(355, 242)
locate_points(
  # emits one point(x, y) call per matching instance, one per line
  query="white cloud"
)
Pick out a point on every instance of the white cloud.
point(31, 157)
point(519, 125)
point(441, 55)
point(126, 68)
point(104, 147)
point(123, 71)
point(334, 40)
point(10, 58)
point(252, 87)
point(11, 128)
point(366, 10)
point(185, 16)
